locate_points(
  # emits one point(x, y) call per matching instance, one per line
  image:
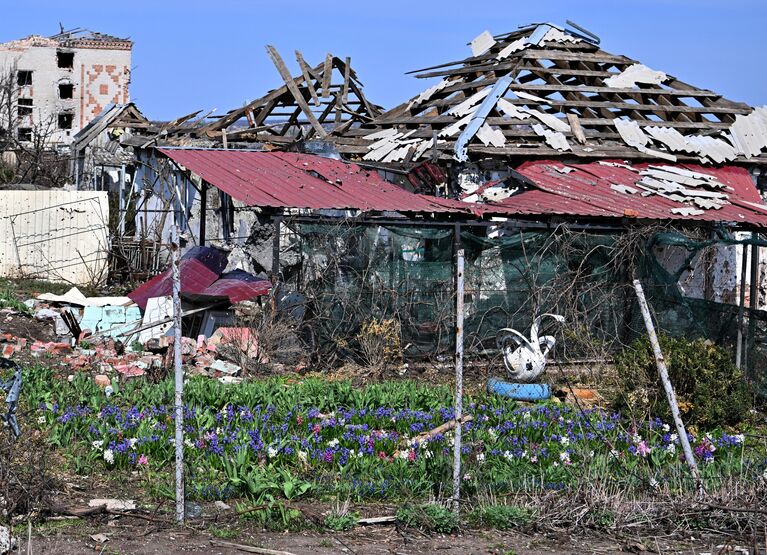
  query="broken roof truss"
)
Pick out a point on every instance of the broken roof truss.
point(321, 100)
point(542, 91)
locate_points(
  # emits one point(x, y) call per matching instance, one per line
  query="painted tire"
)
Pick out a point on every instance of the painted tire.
point(519, 391)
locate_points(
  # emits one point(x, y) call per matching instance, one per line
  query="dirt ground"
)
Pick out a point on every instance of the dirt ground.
point(125, 535)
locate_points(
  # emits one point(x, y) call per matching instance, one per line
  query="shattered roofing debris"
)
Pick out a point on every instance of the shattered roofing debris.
point(565, 95)
point(647, 191)
point(201, 277)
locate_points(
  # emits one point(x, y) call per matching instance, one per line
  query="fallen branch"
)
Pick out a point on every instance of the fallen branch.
point(81, 512)
point(249, 548)
point(736, 509)
point(441, 429)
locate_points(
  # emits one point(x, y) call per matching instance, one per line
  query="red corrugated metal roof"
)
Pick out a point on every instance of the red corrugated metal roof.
point(586, 191)
point(295, 180)
point(287, 179)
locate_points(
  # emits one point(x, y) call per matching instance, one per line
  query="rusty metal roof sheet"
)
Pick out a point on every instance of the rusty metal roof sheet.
point(294, 180)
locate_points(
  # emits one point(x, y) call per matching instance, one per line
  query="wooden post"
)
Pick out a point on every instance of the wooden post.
point(459, 290)
point(670, 395)
point(179, 375)
point(741, 307)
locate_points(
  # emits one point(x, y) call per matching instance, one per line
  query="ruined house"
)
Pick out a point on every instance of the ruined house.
point(536, 131)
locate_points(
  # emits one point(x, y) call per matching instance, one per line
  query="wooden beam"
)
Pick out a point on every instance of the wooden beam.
point(293, 88)
point(327, 73)
point(307, 78)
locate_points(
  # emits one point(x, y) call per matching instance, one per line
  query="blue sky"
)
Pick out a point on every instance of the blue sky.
point(197, 54)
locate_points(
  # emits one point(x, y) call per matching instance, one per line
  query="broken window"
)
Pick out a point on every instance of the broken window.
point(25, 133)
point(23, 78)
point(24, 107)
point(65, 60)
point(66, 90)
point(65, 120)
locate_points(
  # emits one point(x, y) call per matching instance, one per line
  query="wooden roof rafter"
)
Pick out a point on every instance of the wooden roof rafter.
point(315, 103)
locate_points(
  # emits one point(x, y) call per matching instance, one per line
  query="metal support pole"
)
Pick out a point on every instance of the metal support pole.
point(741, 306)
point(121, 213)
point(179, 375)
point(276, 249)
point(203, 211)
point(753, 303)
point(459, 291)
point(670, 395)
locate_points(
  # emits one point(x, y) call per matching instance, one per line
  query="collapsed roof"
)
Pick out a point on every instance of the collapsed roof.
point(321, 100)
point(544, 91)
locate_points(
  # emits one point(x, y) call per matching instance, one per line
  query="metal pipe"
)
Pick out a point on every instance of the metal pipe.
point(670, 395)
point(459, 291)
point(741, 306)
point(179, 375)
point(276, 249)
point(122, 211)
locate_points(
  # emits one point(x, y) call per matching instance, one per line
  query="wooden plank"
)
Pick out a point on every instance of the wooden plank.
point(345, 90)
point(293, 88)
point(575, 125)
point(327, 73)
point(307, 78)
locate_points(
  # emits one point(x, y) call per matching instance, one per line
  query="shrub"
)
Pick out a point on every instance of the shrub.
point(428, 517)
point(710, 390)
point(501, 517)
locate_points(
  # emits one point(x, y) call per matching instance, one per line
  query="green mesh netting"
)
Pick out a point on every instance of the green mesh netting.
point(357, 273)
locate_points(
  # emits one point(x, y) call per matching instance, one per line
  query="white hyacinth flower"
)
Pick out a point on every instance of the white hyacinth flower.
point(109, 456)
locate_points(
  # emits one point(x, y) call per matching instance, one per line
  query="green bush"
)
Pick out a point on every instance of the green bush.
point(501, 517)
point(341, 522)
point(710, 390)
point(428, 517)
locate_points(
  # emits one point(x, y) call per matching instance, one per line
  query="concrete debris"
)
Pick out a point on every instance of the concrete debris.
point(228, 368)
point(637, 73)
point(553, 138)
point(482, 43)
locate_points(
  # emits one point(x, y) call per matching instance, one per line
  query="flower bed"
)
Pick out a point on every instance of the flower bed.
point(364, 450)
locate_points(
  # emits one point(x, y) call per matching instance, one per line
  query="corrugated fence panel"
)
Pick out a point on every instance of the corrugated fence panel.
point(54, 235)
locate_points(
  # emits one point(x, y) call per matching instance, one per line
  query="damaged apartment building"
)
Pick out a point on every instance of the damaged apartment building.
point(537, 130)
point(62, 82)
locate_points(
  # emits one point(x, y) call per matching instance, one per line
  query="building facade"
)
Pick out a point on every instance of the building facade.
point(54, 86)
